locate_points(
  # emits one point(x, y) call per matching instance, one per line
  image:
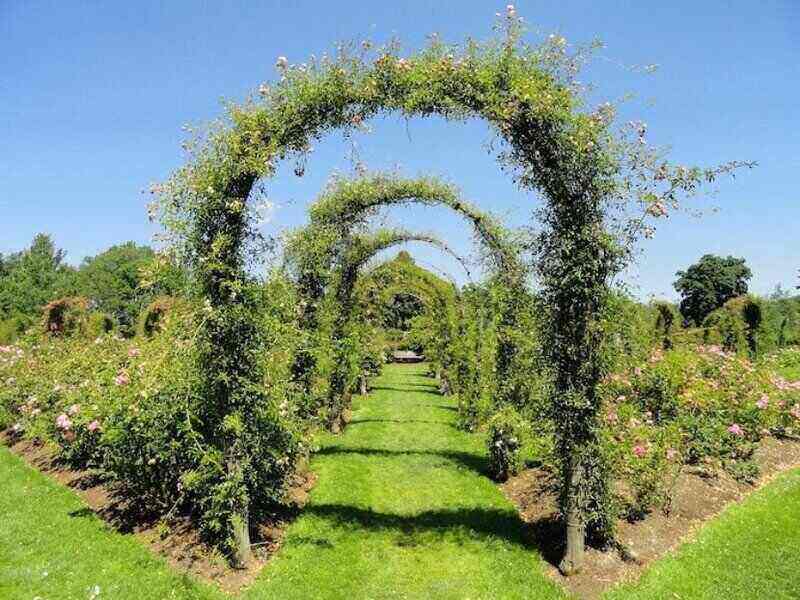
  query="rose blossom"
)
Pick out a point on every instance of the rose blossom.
point(639, 450)
point(763, 402)
point(134, 352)
point(94, 425)
point(63, 422)
point(735, 429)
point(122, 378)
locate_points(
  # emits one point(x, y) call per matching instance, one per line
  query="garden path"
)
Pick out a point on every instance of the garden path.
point(403, 509)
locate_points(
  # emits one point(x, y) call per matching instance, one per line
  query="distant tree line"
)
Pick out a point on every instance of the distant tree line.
point(714, 296)
point(112, 282)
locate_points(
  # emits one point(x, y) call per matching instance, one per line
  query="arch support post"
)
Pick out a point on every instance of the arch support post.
point(572, 563)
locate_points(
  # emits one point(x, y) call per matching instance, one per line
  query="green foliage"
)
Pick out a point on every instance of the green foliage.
point(708, 284)
point(72, 316)
point(507, 432)
point(736, 326)
point(781, 322)
point(32, 278)
point(112, 281)
point(134, 409)
point(665, 323)
point(699, 406)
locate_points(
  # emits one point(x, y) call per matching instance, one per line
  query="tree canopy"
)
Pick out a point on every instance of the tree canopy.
point(709, 283)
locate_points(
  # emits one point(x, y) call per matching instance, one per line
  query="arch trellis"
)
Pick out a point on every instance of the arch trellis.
point(437, 295)
point(348, 203)
point(361, 249)
point(551, 147)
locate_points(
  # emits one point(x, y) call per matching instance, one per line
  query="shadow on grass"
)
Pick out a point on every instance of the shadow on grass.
point(459, 525)
point(474, 462)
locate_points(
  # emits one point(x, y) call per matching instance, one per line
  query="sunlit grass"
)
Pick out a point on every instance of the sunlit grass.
point(402, 509)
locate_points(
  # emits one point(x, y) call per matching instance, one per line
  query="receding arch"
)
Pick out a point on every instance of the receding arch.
point(361, 249)
point(549, 145)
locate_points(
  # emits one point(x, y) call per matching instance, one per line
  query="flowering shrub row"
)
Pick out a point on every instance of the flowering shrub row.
point(702, 406)
point(130, 408)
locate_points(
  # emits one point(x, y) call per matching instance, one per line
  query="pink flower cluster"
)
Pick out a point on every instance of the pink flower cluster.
point(736, 429)
point(763, 402)
point(639, 450)
point(63, 422)
point(122, 378)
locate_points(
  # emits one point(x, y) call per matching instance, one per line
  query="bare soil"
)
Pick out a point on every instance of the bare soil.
point(178, 541)
point(700, 495)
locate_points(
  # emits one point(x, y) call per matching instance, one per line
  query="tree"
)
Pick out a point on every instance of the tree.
point(112, 281)
point(32, 278)
point(709, 283)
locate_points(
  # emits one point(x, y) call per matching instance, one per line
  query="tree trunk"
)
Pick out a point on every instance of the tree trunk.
point(364, 385)
point(576, 530)
point(241, 538)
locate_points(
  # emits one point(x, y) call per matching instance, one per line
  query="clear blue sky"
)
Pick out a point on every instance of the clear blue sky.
point(93, 96)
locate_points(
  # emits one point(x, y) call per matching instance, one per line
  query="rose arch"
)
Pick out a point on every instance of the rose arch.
point(550, 146)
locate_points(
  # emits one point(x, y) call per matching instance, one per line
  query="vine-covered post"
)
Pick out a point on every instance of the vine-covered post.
point(228, 344)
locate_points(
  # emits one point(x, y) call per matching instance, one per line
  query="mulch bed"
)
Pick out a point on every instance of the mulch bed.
point(178, 542)
point(699, 496)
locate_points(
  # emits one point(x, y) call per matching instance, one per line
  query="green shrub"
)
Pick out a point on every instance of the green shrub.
point(13, 327)
point(507, 431)
point(151, 319)
point(666, 316)
point(66, 316)
point(132, 409)
point(705, 405)
point(736, 326)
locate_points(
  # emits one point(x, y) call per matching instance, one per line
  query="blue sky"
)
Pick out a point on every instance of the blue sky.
point(93, 96)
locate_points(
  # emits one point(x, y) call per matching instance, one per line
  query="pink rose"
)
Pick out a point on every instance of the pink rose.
point(639, 450)
point(763, 402)
point(134, 352)
point(63, 422)
point(735, 429)
point(122, 378)
point(93, 426)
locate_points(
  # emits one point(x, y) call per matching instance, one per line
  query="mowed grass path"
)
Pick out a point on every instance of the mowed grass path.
point(401, 510)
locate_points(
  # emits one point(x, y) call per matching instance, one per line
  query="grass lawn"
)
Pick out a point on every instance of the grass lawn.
point(52, 547)
point(751, 551)
point(401, 510)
